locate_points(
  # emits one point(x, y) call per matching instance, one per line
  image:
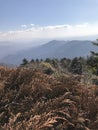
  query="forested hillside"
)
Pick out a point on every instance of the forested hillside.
point(53, 49)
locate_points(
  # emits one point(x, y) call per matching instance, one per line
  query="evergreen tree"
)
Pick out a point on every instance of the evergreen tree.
point(24, 62)
point(95, 54)
point(32, 61)
point(94, 59)
point(48, 60)
point(75, 66)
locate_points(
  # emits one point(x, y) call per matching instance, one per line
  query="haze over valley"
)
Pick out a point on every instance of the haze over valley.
point(14, 54)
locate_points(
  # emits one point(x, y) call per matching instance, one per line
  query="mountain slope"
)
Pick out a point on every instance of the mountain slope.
point(53, 49)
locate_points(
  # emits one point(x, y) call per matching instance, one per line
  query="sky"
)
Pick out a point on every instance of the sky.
point(29, 20)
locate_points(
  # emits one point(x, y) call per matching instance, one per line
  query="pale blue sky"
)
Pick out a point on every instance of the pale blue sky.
point(20, 14)
point(13, 13)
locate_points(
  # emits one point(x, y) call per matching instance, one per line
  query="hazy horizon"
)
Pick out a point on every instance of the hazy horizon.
point(42, 21)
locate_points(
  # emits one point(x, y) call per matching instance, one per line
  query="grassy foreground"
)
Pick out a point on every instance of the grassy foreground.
point(33, 100)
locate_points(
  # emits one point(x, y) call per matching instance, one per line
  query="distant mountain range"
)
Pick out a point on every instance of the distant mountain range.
point(10, 48)
point(52, 49)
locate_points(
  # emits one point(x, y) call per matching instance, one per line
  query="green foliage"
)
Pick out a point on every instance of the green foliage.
point(92, 63)
point(75, 66)
point(93, 60)
point(96, 44)
point(24, 62)
point(48, 60)
point(32, 61)
point(48, 69)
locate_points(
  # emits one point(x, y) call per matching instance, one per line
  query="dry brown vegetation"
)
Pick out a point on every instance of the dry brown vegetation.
point(32, 100)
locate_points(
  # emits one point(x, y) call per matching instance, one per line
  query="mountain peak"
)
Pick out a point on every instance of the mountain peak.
point(53, 49)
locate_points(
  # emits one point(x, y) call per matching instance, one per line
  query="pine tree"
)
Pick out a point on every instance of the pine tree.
point(24, 62)
point(95, 54)
point(75, 66)
point(94, 59)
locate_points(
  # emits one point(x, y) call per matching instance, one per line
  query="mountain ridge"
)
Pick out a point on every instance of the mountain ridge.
point(53, 49)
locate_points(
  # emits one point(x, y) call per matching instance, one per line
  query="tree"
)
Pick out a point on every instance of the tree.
point(65, 62)
point(95, 54)
point(24, 62)
point(75, 66)
point(94, 59)
point(32, 61)
point(37, 60)
point(54, 62)
point(48, 60)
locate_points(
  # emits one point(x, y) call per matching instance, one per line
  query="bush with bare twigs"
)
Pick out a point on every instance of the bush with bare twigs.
point(33, 100)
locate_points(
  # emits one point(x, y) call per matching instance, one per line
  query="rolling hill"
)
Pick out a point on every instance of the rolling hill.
point(53, 49)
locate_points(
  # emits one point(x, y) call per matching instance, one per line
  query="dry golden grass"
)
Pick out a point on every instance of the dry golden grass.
point(32, 100)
